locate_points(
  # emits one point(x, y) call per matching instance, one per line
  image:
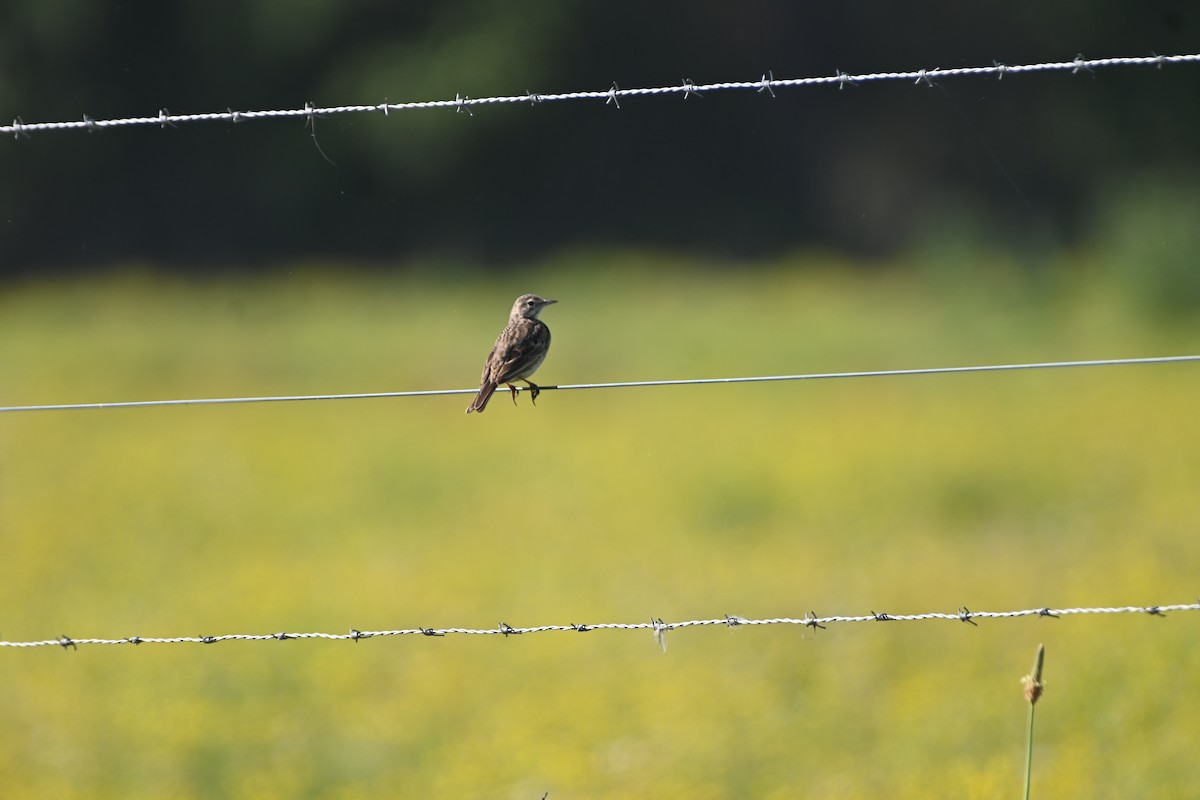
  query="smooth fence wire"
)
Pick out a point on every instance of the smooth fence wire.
point(768, 83)
point(656, 625)
point(884, 373)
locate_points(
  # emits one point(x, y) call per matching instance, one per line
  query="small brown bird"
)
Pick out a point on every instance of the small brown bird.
point(519, 351)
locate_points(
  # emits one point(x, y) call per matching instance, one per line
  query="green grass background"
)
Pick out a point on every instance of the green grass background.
point(900, 495)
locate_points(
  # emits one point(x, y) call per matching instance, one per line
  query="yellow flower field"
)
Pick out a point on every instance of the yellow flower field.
point(1001, 491)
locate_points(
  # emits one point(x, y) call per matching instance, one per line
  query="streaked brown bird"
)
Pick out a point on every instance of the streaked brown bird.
point(519, 351)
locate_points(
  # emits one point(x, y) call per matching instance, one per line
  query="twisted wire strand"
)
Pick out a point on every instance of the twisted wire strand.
point(1107, 362)
point(655, 625)
point(768, 83)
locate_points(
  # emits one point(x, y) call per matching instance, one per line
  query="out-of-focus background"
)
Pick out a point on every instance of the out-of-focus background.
point(1038, 162)
point(885, 225)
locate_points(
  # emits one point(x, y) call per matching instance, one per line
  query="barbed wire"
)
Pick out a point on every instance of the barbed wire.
point(768, 83)
point(1107, 362)
point(656, 625)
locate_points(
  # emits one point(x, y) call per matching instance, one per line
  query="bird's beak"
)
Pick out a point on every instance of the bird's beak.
point(549, 302)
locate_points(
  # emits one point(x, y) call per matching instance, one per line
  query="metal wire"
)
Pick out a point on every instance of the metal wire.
point(768, 84)
point(656, 625)
point(1107, 362)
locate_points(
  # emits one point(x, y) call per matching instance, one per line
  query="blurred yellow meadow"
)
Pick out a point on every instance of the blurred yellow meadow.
point(900, 495)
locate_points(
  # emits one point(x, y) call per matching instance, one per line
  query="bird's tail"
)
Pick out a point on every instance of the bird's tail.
point(481, 400)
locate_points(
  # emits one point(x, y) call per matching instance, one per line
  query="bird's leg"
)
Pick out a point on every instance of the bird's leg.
point(534, 391)
point(513, 390)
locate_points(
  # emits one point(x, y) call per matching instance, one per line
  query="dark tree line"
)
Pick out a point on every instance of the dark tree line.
point(867, 169)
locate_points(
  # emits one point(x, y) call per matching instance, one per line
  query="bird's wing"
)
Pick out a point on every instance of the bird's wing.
point(488, 364)
point(515, 356)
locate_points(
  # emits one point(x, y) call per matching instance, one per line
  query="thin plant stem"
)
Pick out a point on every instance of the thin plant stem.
point(1029, 752)
point(1033, 690)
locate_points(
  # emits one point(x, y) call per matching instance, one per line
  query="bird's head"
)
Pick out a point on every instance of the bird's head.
point(529, 306)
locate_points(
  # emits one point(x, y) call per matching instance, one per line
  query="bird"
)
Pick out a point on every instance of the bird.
point(519, 350)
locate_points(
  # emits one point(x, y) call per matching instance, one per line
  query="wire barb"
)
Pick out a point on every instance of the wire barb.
point(612, 96)
point(660, 632)
point(767, 79)
point(689, 89)
point(964, 614)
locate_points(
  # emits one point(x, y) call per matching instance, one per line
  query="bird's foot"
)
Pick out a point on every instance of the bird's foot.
point(534, 391)
point(512, 390)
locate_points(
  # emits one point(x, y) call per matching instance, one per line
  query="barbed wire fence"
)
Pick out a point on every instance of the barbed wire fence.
point(812, 376)
point(687, 89)
point(656, 625)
